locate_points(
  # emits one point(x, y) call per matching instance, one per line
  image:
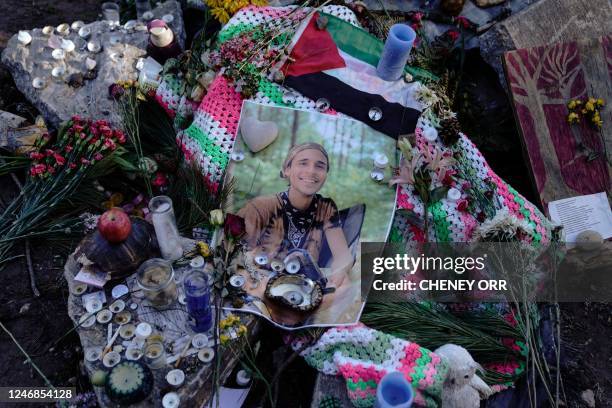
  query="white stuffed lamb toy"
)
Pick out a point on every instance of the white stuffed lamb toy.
point(462, 387)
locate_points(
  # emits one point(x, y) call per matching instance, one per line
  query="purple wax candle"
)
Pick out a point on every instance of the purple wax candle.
point(197, 295)
point(396, 52)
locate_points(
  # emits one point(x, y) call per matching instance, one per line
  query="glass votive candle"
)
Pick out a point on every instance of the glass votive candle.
point(166, 231)
point(155, 354)
point(156, 279)
point(197, 294)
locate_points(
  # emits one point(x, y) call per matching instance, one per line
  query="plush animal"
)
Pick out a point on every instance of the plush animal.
point(462, 387)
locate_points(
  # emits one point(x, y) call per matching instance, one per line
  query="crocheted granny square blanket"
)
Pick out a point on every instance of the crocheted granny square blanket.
point(362, 356)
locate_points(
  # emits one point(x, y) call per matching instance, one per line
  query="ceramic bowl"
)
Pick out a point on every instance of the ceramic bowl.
point(47, 30)
point(168, 18)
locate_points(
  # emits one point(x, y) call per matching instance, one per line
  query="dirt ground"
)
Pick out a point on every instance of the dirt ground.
point(38, 323)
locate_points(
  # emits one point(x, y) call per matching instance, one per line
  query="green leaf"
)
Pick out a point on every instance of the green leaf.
point(412, 217)
point(438, 193)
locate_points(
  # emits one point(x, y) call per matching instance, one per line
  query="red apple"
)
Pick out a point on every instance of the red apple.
point(115, 225)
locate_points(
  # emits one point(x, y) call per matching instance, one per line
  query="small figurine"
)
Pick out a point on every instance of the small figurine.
point(462, 387)
point(162, 42)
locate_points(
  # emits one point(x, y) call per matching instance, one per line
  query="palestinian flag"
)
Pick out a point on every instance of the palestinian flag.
point(338, 63)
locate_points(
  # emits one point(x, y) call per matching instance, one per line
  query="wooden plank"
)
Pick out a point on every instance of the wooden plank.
point(327, 385)
point(546, 22)
point(566, 160)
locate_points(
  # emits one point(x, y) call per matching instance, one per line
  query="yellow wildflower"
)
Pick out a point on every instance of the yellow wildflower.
point(203, 249)
point(571, 104)
point(590, 105)
point(600, 102)
point(573, 118)
point(597, 119)
point(242, 329)
point(224, 338)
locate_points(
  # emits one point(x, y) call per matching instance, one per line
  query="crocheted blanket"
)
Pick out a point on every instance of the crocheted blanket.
point(362, 356)
point(359, 354)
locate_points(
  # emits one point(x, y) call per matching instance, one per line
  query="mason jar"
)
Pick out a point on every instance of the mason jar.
point(156, 279)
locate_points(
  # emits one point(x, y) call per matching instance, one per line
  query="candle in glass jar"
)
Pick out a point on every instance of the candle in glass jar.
point(168, 238)
point(155, 355)
point(197, 293)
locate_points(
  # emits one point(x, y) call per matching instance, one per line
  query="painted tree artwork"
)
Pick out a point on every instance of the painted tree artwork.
point(566, 159)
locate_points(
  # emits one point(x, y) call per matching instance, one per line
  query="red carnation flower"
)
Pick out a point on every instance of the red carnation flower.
point(108, 143)
point(59, 159)
point(98, 156)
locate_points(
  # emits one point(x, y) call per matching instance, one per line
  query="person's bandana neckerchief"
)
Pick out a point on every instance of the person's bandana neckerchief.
point(298, 222)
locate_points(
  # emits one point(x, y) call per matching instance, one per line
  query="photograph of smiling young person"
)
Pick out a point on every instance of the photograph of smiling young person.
point(308, 200)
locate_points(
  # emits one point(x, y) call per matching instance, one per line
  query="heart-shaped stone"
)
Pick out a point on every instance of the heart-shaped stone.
point(257, 135)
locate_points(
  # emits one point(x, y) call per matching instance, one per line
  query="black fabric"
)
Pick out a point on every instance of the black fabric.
point(396, 119)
